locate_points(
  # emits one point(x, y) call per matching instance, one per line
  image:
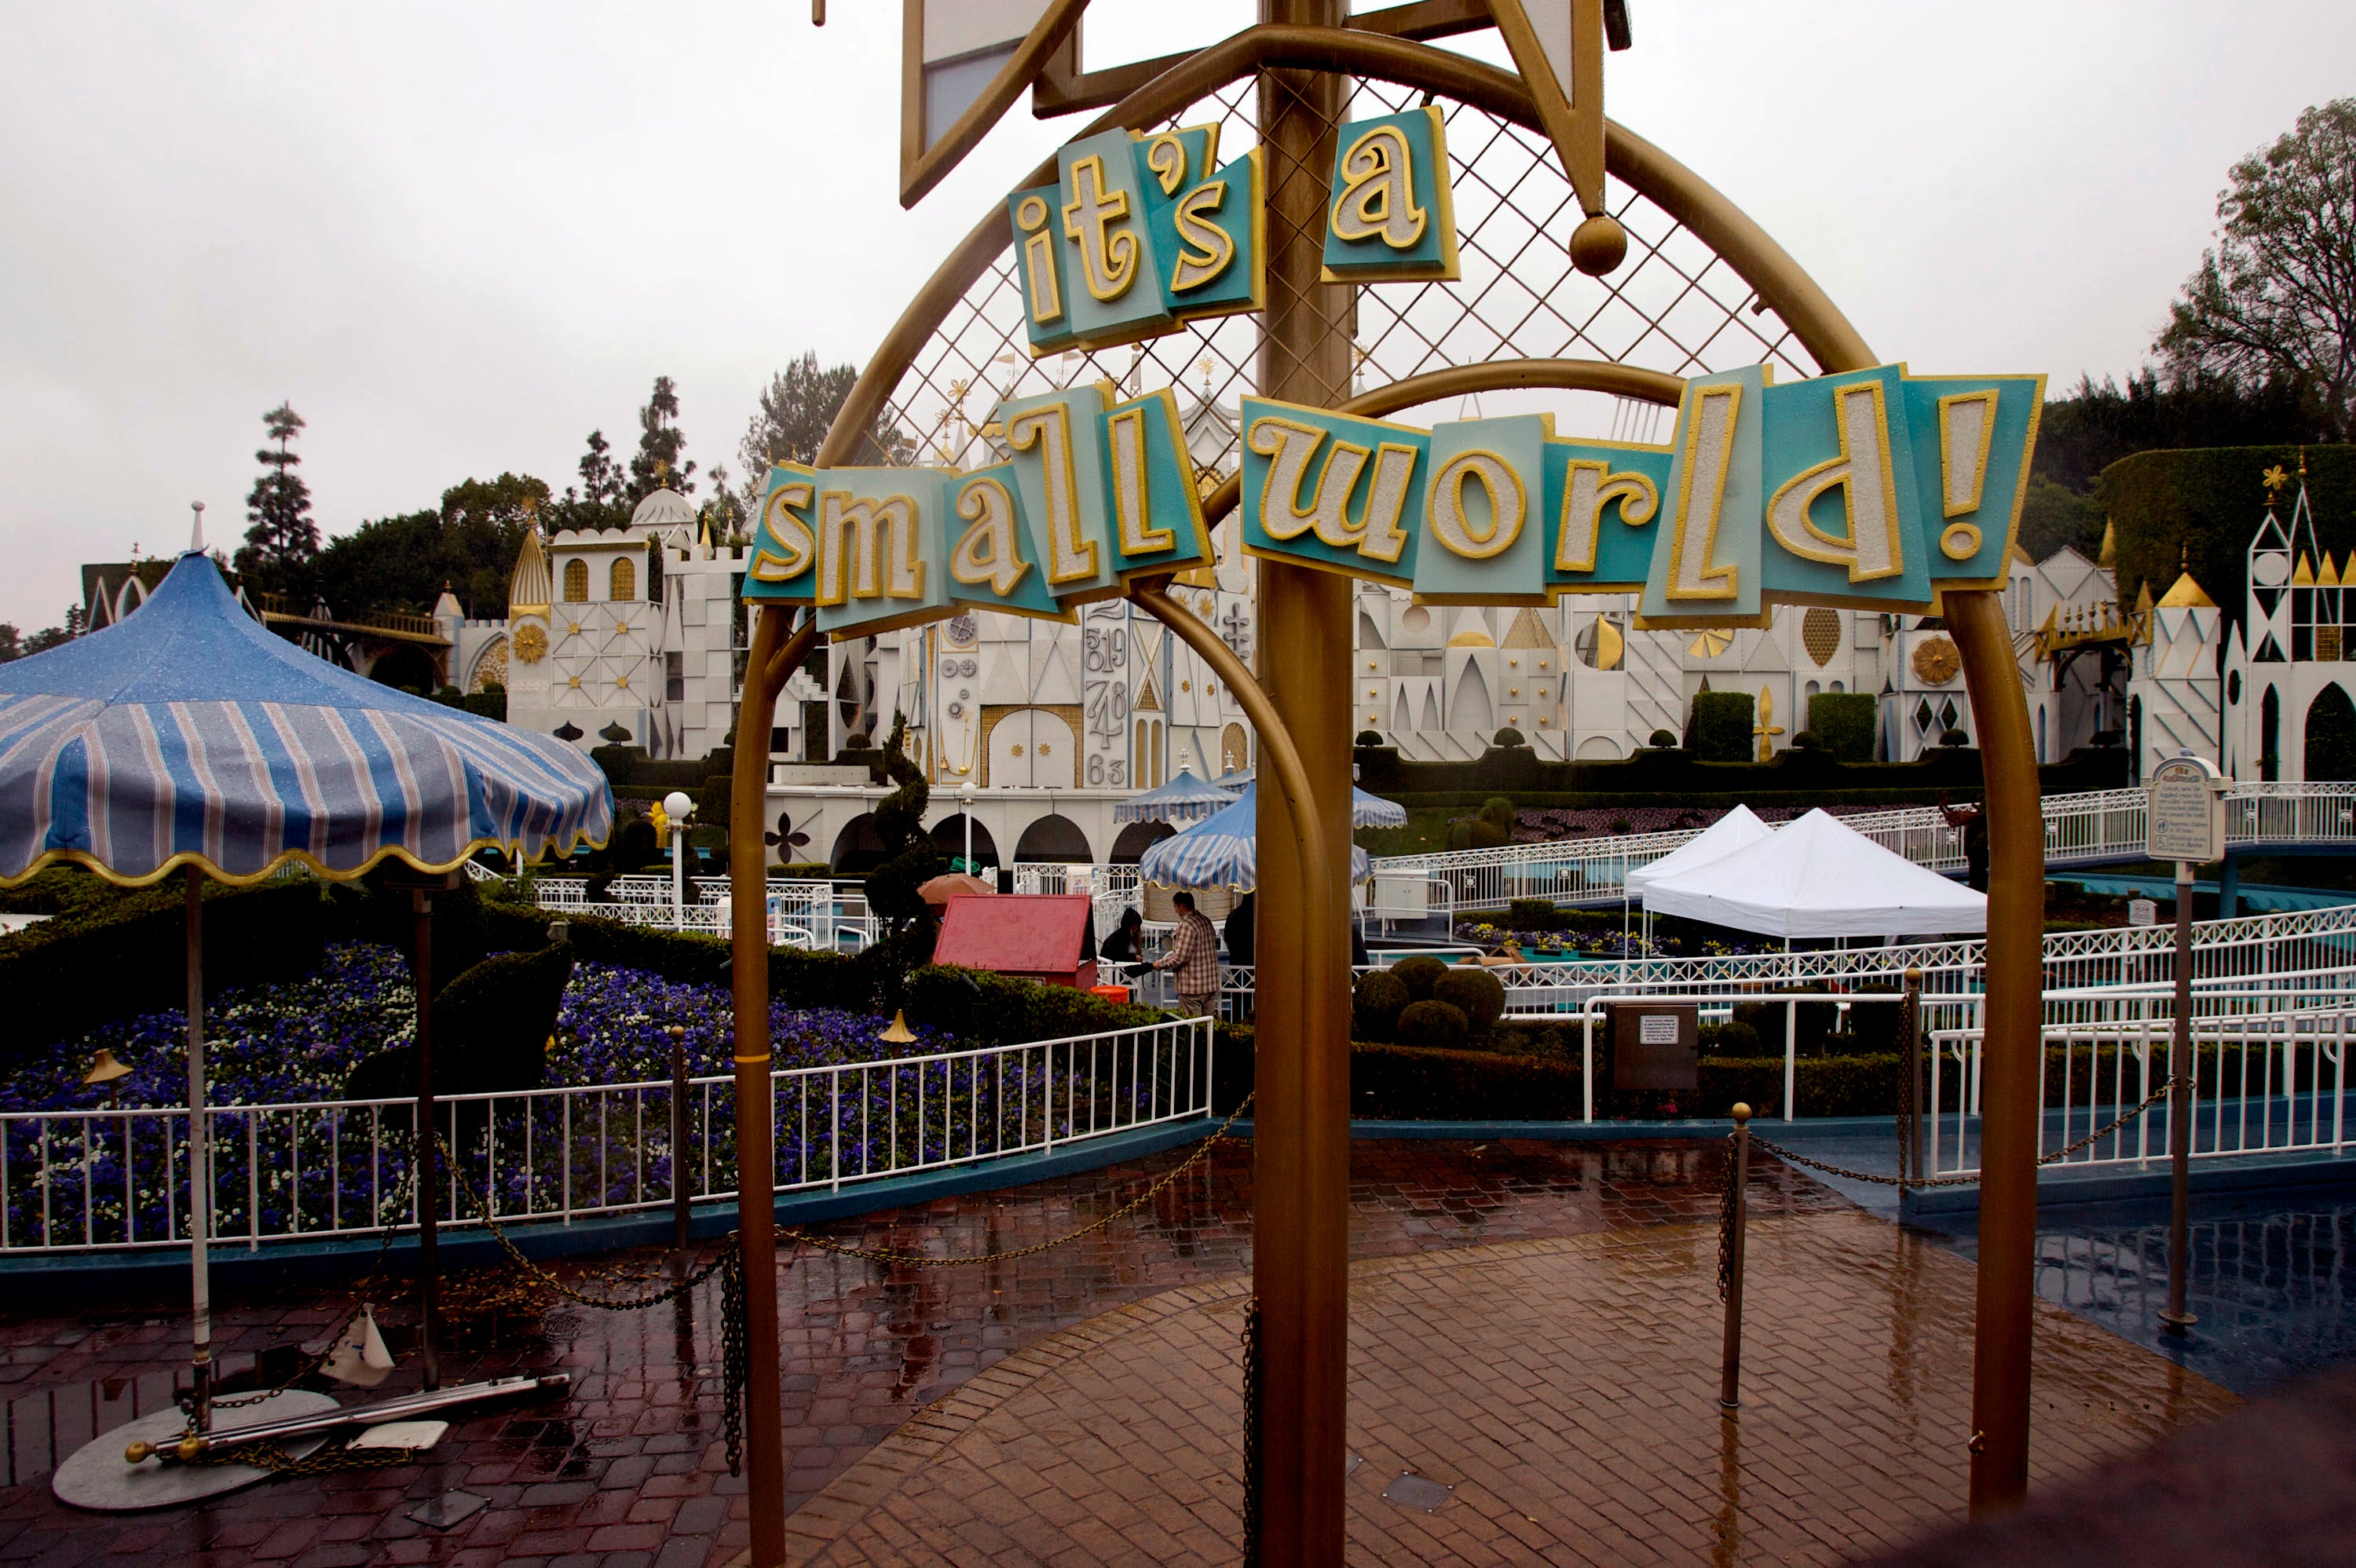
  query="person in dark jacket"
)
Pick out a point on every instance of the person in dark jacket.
point(1126, 944)
point(1239, 933)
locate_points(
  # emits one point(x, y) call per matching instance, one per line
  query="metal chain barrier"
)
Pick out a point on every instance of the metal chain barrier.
point(926, 1260)
point(1780, 1152)
point(1728, 1196)
point(1251, 1430)
point(736, 1373)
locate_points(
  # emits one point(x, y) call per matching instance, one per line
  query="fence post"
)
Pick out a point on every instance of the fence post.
point(1915, 1074)
point(1729, 1241)
point(682, 1192)
point(1791, 1050)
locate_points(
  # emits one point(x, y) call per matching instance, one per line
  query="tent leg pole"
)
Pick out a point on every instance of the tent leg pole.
point(429, 1188)
point(199, 1165)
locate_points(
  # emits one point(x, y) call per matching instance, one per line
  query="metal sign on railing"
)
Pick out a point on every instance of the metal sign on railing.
point(2185, 820)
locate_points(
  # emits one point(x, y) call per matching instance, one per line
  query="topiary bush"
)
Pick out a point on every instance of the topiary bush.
point(491, 1028)
point(1499, 810)
point(1474, 992)
point(1376, 999)
point(1418, 975)
point(1663, 740)
point(1954, 737)
point(1844, 720)
point(1508, 736)
point(1732, 1038)
point(1722, 727)
point(1432, 1025)
point(1368, 738)
point(1532, 914)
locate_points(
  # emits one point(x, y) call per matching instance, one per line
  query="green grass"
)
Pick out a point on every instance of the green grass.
point(1426, 833)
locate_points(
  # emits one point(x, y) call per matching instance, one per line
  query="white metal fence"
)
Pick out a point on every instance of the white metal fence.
point(2102, 825)
point(82, 1180)
point(2270, 1077)
point(802, 913)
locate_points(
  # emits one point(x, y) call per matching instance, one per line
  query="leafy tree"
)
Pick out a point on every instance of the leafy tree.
point(48, 637)
point(797, 411)
point(597, 502)
point(10, 641)
point(2276, 301)
point(657, 463)
point(468, 543)
point(281, 539)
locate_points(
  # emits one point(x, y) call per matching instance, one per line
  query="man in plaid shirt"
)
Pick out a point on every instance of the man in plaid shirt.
point(1194, 954)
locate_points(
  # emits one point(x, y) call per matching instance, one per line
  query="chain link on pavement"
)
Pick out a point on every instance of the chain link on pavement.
point(1730, 1195)
point(1251, 1430)
point(928, 1260)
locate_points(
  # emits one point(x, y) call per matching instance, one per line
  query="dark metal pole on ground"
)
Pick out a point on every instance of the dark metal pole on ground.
point(200, 1186)
point(1301, 1147)
point(429, 1187)
point(2177, 1318)
point(1729, 1367)
point(681, 1188)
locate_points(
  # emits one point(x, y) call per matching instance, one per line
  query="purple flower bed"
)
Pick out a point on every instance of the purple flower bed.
point(100, 1180)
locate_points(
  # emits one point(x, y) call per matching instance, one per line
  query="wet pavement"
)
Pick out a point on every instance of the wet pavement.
point(2273, 1280)
point(630, 1470)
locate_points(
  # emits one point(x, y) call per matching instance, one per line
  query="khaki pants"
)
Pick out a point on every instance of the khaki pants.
point(1202, 1006)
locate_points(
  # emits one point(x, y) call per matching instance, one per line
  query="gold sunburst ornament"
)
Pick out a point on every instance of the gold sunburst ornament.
point(1709, 644)
point(1936, 662)
point(531, 644)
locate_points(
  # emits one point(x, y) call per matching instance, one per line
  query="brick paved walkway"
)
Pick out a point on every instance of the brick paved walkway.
point(628, 1471)
point(1566, 1391)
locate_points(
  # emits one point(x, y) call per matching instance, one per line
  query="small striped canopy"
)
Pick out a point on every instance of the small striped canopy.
point(188, 734)
point(1183, 799)
point(1366, 810)
point(1223, 851)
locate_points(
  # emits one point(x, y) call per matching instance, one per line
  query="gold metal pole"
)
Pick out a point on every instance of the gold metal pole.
point(2014, 1058)
point(1301, 1135)
point(1730, 1357)
point(766, 665)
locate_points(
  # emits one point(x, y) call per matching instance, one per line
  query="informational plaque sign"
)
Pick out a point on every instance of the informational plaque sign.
point(2185, 812)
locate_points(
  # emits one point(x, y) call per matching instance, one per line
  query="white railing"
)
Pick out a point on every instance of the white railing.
point(2102, 825)
point(82, 1181)
point(2270, 1077)
point(802, 913)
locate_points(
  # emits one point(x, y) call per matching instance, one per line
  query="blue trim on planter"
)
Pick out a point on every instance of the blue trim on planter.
point(1941, 1207)
point(281, 1265)
point(1608, 1132)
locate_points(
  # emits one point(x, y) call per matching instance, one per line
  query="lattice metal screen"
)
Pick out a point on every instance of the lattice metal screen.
point(1672, 305)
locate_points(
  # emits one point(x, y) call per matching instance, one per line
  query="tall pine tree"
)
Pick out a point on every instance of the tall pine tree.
point(281, 539)
point(657, 463)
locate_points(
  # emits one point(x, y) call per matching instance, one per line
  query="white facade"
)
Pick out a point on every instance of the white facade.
point(2288, 677)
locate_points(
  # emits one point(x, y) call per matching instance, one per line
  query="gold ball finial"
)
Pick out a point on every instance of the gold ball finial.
point(1913, 973)
point(1741, 1114)
point(1598, 245)
point(191, 1448)
point(138, 1453)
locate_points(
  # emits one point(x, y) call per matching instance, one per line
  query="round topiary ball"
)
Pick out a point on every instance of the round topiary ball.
point(1368, 738)
point(1418, 975)
point(1954, 738)
point(1508, 736)
point(1477, 994)
point(1432, 1025)
point(1663, 740)
point(1376, 1002)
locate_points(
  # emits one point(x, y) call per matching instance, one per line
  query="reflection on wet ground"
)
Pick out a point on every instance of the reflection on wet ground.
point(2273, 1280)
point(631, 1464)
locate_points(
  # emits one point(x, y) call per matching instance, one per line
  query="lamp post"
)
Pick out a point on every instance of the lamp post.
point(678, 807)
point(964, 809)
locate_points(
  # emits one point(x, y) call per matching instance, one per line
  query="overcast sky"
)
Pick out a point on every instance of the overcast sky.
point(458, 237)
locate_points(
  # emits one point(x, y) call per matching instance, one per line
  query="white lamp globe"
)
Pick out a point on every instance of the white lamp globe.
point(678, 806)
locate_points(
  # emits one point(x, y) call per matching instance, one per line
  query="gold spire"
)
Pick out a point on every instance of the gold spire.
point(2109, 554)
point(2330, 576)
point(2303, 575)
point(2186, 594)
point(530, 590)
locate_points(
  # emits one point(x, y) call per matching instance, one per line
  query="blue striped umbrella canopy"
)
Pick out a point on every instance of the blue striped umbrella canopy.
point(189, 734)
point(1366, 810)
point(1223, 851)
point(1183, 799)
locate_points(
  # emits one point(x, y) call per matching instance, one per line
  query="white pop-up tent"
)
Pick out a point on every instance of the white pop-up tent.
point(1738, 830)
point(1817, 877)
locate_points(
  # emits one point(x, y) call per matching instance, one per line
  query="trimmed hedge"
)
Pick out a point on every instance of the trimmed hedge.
point(1722, 726)
point(985, 1009)
point(797, 976)
point(107, 952)
point(2197, 505)
point(1844, 721)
